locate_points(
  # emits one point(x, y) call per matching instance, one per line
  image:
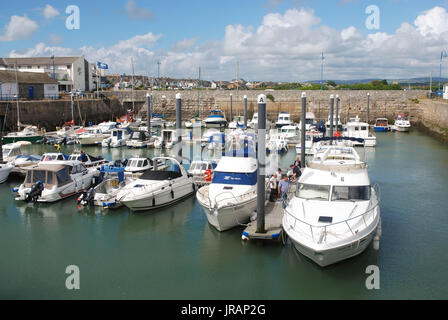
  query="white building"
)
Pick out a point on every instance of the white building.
point(445, 91)
point(28, 85)
point(70, 72)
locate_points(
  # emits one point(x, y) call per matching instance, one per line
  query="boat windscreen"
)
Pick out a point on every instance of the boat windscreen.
point(160, 175)
point(63, 176)
point(350, 193)
point(312, 191)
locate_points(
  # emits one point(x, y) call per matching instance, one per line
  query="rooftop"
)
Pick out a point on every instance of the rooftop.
point(8, 76)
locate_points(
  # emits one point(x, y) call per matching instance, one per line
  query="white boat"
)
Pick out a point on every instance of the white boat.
point(277, 142)
point(309, 137)
point(90, 161)
point(202, 171)
point(335, 212)
point(231, 198)
point(140, 165)
point(111, 179)
point(10, 151)
point(52, 156)
point(217, 141)
point(157, 121)
point(54, 180)
point(92, 136)
point(166, 140)
point(117, 138)
point(402, 123)
point(310, 119)
point(208, 133)
point(140, 139)
point(358, 129)
point(5, 170)
point(158, 188)
point(283, 119)
point(290, 133)
point(216, 119)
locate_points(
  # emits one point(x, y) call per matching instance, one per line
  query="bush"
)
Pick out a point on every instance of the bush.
point(270, 97)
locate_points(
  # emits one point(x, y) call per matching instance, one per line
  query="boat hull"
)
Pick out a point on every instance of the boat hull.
point(12, 139)
point(381, 129)
point(402, 128)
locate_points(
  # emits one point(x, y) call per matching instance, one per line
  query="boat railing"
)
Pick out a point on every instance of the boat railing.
point(318, 234)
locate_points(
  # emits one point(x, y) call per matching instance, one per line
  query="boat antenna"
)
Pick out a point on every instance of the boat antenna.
point(17, 97)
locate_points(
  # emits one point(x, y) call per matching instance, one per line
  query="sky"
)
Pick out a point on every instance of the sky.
point(276, 40)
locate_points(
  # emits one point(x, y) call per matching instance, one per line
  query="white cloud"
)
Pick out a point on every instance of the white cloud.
point(133, 12)
point(55, 39)
point(284, 47)
point(19, 28)
point(49, 12)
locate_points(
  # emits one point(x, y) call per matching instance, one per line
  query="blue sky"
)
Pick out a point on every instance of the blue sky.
point(206, 24)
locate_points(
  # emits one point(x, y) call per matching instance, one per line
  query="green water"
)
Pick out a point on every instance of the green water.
point(173, 253)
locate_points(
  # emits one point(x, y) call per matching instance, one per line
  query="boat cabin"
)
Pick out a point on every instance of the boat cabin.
point(49, 175)
point(52, 156)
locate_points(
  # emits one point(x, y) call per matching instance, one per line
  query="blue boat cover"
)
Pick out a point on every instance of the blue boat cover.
point(248, 179)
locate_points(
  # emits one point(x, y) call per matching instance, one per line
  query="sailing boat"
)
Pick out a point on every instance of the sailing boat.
point(29, 133)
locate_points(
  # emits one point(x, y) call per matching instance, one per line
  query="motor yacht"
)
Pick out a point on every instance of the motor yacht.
point(310, 135)
point(402, 123)
point(231, 198)
point(216, 119)
point(310, 120)
point(277, 143)
point(358, 129)
point(92, 136)
point(337, 125)
point(90, 162)
point(291, 134)
point(5, 170)
point(202, 171)
point(29, 133)
point(335, 211)
point(283, 119)
point(140, 139)
point(167, 139)
point(382, 125)
point(10, 151)
point(54, 180)
point(158, 188)
point(238, 122)
point(117, 138)
point(194, 122)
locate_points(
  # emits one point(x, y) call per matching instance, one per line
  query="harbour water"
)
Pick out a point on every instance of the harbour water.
point(173, 253)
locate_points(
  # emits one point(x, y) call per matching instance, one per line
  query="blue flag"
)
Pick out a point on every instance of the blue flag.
point(102, 65)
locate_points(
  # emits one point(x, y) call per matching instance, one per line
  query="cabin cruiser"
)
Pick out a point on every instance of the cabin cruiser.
point(216, 119)
point(140, 139)
point(157, 121)
point(111, 179)
point(290, 134)
point(89, 161)
point(29, 133)
point(5, 170)
point(231, 198)
point(253, 123)
point(202, 171)
point(310, 120)
point(118, 138)
point(140, 165)
point(167, 139)
point(208, 133)
point(382, 125)
point(283, 119)
point(402, 123)
point(309, 141)
point(52, 156)
point(194, 122)
point(277, 143)
point(92, 136)
point(10, 151)
point(54, 180)
point(158, 187)
point(335, 211)
point(358, 129)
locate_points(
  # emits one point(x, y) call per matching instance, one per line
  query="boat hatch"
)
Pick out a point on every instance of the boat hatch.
point(325, 219)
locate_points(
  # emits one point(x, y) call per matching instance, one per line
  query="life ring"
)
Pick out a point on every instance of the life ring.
point(208, 175)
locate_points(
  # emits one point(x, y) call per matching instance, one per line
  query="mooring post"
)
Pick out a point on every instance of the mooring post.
point(337, 113)
point(231, 117)
point(261, 163)
point(303, 131)
point(148, 112)
point(245, 112)
point(73, 105)
point(331, 114)
point(368, 106)
point(179, 124)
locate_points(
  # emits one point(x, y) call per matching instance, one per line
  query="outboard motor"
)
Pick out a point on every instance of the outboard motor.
point(86, 198)
point(35, 193)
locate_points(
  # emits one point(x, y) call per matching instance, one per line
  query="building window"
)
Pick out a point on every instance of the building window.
point(68, 66)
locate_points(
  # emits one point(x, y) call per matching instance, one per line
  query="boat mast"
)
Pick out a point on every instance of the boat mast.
point(132, 93)
point(17, 98)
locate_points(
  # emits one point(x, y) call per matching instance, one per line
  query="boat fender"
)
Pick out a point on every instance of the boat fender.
point(172, 193)
point(153, 201)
